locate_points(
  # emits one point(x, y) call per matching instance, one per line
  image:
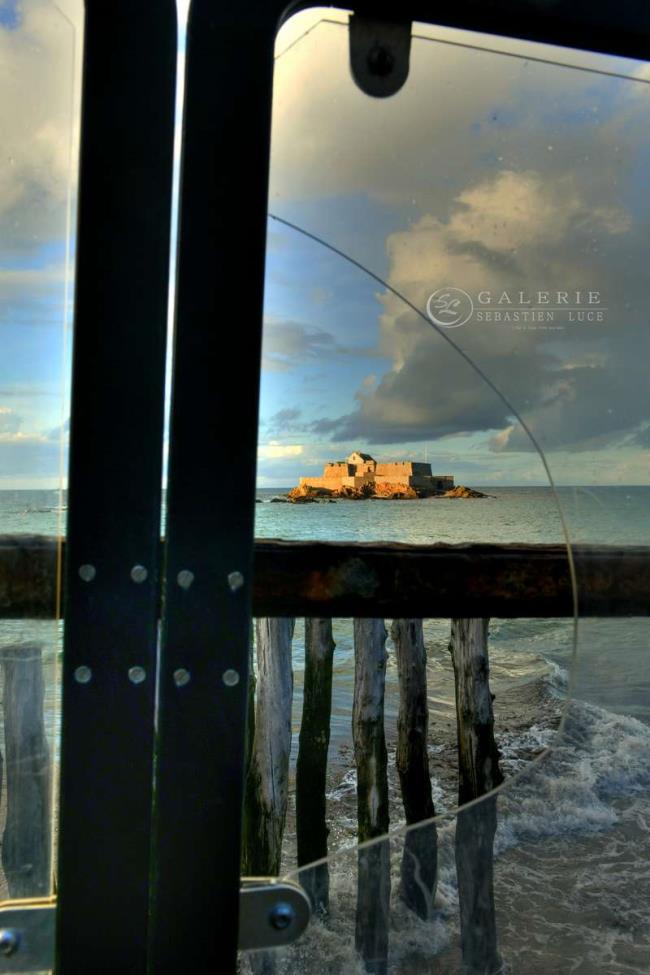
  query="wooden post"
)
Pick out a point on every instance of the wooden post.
point(479, 773)
point(26, 844)
point(249, 797)
point(419, 860)
point(267, 786)
point(373, 884)
point(311, 769)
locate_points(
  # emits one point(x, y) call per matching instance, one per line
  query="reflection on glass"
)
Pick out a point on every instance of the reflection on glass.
point(40, 46)
point(456, 277)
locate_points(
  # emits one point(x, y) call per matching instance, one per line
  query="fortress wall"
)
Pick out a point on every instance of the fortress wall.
point(331, 483)
point(397, 479)
point(358, 479)
point(396, 472)
point(423, 481)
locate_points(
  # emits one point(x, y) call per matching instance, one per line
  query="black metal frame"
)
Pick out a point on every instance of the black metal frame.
point(215, 414)
point(115, 484)
point(117, 429)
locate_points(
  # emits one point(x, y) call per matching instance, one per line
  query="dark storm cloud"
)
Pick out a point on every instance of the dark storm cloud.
point(290, 344)
point(284, 421)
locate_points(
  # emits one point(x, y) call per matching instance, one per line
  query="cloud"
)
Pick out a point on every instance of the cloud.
point(39, 120)
point(460, 107)
point(289, 344)
point(285, 421)
point(60, 432)
point(10, 422)
point(586, 383)
point(511, 174)
point(277, 451)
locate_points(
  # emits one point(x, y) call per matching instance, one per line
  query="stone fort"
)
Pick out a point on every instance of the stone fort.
point(359, 469)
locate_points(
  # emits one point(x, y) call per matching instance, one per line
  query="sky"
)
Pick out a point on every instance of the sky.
point(493, 172)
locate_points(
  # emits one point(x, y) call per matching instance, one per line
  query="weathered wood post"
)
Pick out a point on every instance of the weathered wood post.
point(373, 883)
point(267, 785)
point(248, 752)
point(419, 860)
point(311, 769)
point(479, 773)
point(26, 843)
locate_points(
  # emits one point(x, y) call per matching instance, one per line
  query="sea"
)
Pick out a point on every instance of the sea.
point(572, 721)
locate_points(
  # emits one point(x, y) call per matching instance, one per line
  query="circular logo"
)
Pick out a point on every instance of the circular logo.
point(450, 307)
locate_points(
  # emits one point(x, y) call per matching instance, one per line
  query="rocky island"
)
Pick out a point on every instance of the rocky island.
point(360, 476)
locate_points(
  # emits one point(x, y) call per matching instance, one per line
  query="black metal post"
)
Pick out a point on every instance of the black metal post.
point(112, 573)
point(204, 657)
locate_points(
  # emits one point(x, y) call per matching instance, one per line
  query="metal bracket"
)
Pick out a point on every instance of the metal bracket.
point(27, 935)
point(379, 55)
point(272, 913)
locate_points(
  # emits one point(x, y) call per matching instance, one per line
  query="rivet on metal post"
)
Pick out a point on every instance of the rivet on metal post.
point(182, 677)
point(230, 678)
point(185, 578)
point(83, 675)
point(281, 916)
point(9, 941)
point(235, 581)
point(139, 573)
point(87, 572)
point(137, 675)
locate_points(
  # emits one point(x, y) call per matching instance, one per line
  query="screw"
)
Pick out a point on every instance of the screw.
point(230, 678)
point(185, 578)
point(87, 572)
point(281, 916)
point(139, 573)
point(235, 581)
point(181, 677)
point(381, 61)
point(83, 675)
point(9, 941)
point(137, 675)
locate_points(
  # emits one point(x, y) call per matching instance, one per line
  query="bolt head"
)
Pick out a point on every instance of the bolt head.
point(230, 677)
point(185, 578)
point(235, 581)
point(137, 675)
point(9, 941)
point(381, 61)
point(181, 677)
point(83, 675)
point(281, 916)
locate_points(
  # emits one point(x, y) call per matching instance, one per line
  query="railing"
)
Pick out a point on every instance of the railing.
point(343, 579)
point(366, 582)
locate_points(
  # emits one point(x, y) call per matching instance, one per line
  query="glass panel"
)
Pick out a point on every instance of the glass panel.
point(456, 276)
point(40, 48)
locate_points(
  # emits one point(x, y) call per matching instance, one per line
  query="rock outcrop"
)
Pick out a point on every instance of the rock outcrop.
point(465, 492)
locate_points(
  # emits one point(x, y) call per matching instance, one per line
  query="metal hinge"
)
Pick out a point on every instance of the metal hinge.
point(272, 913)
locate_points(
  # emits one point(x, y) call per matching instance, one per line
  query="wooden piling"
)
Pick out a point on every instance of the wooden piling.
point(479, 773)
point(419, 860)
point(311, 769)
point(373, 883)
point(267, 785)
point(249, 790)
point(26, 843)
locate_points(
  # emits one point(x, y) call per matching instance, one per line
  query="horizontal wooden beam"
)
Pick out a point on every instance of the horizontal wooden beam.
point(393, 580)
point(381, 579)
